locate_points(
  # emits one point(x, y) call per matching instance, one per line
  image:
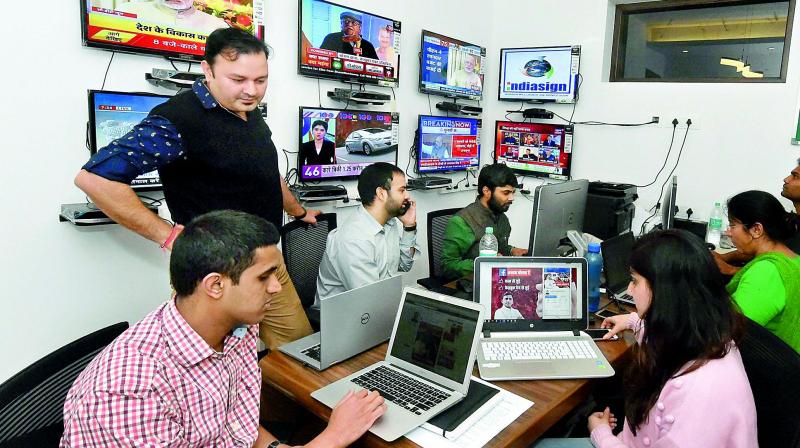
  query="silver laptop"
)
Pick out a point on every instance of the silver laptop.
point(616, 256)
point(350, 323)
point(428, 363)
point(536, 309)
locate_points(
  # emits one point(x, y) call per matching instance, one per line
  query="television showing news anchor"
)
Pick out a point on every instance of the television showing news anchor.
point(339, 42)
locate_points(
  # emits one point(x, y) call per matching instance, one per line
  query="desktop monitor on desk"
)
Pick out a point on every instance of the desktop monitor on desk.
point(668, 207)
point(557, 208)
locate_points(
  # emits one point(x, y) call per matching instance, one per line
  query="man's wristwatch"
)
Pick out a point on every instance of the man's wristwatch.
point(410, 228)
point(299, 217)
point(274, 444)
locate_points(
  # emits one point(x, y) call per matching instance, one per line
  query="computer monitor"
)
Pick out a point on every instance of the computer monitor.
point(557, 208)
point(540, 74)
point(534, 149)
point(152, 27)
point(451, 67)
point(448, 144)
point(356, 139)
point(668, 207)
point(348, 44)
point(114, 114)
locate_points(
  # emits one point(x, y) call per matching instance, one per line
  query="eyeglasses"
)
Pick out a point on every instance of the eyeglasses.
point(350, 22)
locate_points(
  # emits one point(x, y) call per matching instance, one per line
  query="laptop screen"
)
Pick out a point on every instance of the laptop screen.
point(616, 258)
point(518, 290)
point(435, 335)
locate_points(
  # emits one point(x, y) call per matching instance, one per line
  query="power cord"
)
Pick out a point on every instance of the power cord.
point(657, 207)
point(669, 150)
point(107, 68)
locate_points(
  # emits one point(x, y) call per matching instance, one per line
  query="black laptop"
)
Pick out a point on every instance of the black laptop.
point(616, 256)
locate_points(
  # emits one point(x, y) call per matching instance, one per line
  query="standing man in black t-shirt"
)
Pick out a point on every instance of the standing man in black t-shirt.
point(213, 151)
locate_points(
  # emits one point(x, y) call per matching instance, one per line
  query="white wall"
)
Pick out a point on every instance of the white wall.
point(63, 282)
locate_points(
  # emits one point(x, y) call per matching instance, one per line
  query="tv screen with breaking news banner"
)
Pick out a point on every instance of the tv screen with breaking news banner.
point(348, 44)
point(448, 144)
point(339, 144)
point(176, 29)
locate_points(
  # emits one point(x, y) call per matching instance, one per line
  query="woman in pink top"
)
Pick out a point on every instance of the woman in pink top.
point(686, 385)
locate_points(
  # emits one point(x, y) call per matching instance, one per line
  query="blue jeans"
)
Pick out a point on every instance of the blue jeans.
point(563, 443)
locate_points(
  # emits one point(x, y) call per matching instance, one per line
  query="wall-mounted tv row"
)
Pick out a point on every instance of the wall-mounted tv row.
point(336, 42)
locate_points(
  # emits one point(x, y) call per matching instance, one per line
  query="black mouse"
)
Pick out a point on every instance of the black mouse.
point(465, 285)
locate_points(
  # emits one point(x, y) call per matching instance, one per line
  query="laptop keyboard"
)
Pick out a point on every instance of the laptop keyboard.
point(312, 352)
point(400, 389)
point(537, 350)
point(624, 297)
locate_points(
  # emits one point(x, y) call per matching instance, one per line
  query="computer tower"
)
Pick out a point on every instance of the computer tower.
point(609, 209)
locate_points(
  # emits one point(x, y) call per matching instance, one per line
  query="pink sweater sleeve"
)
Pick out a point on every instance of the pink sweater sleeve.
point(711, 406)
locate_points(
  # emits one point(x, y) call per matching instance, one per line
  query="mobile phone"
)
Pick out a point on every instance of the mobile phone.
point(598, 333)
point(605, 313)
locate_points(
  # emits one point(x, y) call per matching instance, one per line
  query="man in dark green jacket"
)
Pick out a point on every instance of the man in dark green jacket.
point(496, 187)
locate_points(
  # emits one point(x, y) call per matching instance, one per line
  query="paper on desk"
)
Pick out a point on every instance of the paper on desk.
point(507, 410)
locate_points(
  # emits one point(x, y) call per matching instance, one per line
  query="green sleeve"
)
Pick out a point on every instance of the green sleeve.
point(458, 238)
point(761, 294)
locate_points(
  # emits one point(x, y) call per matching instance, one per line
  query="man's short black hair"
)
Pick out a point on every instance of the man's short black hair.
point(378, 174)
point(222, 241)
point(322, 123)
point(496, 175)
point(230, 43)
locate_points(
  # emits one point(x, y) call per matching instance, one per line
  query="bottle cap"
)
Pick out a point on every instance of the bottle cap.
point(594, 248)
point(490, 230)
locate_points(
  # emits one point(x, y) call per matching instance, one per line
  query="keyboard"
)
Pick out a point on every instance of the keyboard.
point(624, 297)
point(312, 352)
point(404, 391)
point(537, 350)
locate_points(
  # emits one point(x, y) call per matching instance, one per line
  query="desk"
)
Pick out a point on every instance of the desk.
point(553, 399)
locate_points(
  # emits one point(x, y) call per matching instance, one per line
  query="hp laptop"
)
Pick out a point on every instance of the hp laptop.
point(350, 323)
point(616, 256)
point(536, 308)
point(428, 363)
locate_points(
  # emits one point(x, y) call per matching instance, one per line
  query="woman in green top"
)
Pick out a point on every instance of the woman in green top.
point(767, 289)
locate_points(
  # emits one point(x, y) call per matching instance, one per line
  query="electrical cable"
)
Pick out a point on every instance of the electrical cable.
point(107, 68)
point(666, 158)
point(575, 104)
point(603, 123)
point(657, 207)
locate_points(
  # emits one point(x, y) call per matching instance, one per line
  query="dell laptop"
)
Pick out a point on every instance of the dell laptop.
point(427, 366)
point(536, 308)
point(616, 264)
point(350, 323)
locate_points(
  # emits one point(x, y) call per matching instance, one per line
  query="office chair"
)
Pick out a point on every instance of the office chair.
point(773, 369)
point(303, 246)
point(437, 222)
point(32, 401)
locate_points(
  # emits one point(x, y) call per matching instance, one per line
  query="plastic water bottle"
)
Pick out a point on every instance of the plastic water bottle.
point(488, 244)
point(595, 262)
point(714, 231)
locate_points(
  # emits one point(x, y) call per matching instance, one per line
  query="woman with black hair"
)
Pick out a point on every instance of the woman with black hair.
point(767, 289)
point(686, 385)
point(319, 150)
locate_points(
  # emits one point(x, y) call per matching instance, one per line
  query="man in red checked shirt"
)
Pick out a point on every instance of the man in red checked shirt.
point(186, 375)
